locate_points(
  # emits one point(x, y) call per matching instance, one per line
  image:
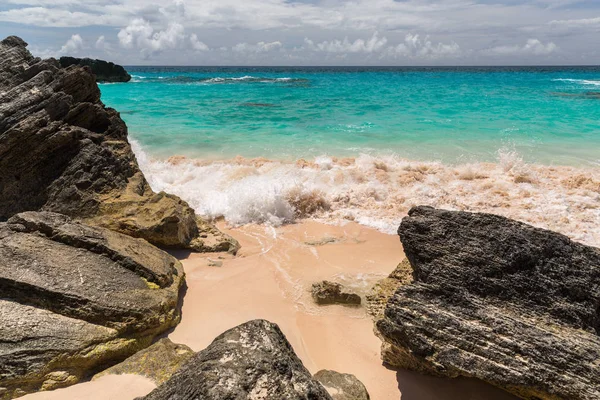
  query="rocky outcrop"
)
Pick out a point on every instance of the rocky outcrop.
point(382, 291)
point(342, 386)
point(105, 71)
point(157, 362)
point(251, 361)
point(76, 298)
point(62, 150)
point(327, 292)
point(497, 300)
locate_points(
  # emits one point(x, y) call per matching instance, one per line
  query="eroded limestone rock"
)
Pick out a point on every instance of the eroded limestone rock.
point(251, 361)
point(76, 298)
point(62, 150)
point(342, 386)
point(498, 300)
point(327, 292)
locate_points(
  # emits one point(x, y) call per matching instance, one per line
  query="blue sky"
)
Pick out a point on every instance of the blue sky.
point(310, 32)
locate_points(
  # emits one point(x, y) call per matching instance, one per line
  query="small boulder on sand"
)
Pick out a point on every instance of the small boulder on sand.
point(327, 292)
point(342, 386)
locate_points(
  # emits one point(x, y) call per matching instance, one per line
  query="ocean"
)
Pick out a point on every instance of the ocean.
point(270, 145)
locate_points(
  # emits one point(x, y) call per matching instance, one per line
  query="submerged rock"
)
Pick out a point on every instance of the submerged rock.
point(251, 361)
point(497, 300)
point(157, 362)
point(105, 71)
point(62, 150)
point(76, 298)
point(342, 386)
point(327, 292)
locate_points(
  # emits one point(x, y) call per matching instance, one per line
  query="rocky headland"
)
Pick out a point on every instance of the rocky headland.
point(63, 150)
point(105, 71)
point(498, 300)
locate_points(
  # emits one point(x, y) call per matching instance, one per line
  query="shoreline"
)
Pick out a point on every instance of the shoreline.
point(270, 278)
point(378, 191)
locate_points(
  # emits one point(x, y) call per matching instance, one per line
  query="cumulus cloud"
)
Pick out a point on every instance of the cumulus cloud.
point(415, 46)
point(532, 46)
point(260, 47)
point(197, 44)
point(140, 35)
point(375, 43)
point(73, 46)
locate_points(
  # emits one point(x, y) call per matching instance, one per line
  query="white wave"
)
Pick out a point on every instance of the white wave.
point(379, 191)
point(581, 81)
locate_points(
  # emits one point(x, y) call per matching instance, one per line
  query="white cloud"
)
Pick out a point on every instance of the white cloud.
point(260, 47)
point(139, 34)
point(375, 43)
point(73, 46)
point(416, 47)
point(197, 44)
point(576, 23)
point(532, 46)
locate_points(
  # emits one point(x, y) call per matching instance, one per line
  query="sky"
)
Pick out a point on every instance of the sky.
point(310, 32)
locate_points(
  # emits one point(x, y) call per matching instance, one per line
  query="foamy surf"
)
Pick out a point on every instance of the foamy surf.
point(379, 191)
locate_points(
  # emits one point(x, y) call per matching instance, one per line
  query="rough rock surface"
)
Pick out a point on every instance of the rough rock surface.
point(105, 71)
point(157, 362)
point(327, 292)
point(382, 291)
point(62, 150)
point(251, 361)
point(342, 386)
point(76, 298)
point(498, 300)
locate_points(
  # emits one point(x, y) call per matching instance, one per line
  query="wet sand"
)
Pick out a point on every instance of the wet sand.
point(270, 278)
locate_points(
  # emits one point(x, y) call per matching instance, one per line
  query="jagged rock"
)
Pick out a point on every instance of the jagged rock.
point(251, 361)
point(327, 292)
point(497, 300)
point(383, 290)
point(157, 362)
point(76, 298)
point(342, 386)
point(105, 71)
point(62, 150)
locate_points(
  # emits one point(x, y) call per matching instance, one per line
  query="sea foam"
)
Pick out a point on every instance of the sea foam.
point(379, 191)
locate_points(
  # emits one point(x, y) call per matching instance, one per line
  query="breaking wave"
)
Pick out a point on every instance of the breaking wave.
point(218, 80)
point(580, 81)
point(379, 191)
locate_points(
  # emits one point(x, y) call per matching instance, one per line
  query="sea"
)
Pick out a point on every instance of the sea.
point(272, 145)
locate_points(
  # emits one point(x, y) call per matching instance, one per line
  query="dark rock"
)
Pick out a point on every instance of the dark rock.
point(76, 298)
point(251, 361)
point(327, 292)
point(105, 71)
point(157, 362)
point(62, 150)
point(497, 300)
point(342, 386)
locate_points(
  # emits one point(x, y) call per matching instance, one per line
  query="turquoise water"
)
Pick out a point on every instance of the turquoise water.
point(549, 115)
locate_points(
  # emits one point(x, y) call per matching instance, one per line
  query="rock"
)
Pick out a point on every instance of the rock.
point(251, 361)
point(342, 386)
point(62, 150)
point(383, 290)
point(105, 71)
point(157, 362)
point(327, 292)
point(497, 300)
point(76, 298)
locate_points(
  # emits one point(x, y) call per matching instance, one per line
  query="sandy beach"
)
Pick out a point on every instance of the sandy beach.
point(270, 278)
